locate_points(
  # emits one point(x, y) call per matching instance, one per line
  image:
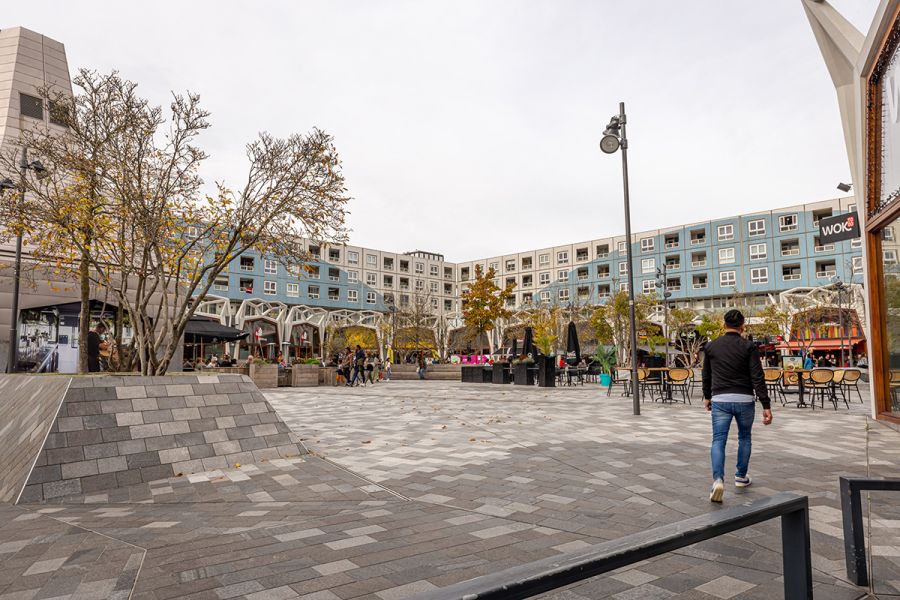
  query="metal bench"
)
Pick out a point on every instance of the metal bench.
point(854, 535)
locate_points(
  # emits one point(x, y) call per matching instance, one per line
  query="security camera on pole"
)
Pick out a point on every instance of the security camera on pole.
point(613, 139)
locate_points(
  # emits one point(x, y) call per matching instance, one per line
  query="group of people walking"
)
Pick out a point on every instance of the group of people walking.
point(359, 367)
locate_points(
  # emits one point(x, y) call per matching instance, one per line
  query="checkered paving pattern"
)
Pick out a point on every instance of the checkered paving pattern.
point(412, 486)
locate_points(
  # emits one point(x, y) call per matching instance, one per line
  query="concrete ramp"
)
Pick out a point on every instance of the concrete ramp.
point(114, 431)
point(27, 407)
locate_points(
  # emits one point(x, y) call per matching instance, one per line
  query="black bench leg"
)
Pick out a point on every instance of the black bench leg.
point(854, 536)
point(796, 555)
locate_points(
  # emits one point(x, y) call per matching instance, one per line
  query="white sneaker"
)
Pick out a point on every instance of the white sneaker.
point(718, 491)
point(744, 481)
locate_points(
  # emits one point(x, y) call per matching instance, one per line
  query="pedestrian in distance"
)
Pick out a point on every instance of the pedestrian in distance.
point(421, 366)
point(370, 367)
point(359, 365)
point(387, 368)
point(732, 374)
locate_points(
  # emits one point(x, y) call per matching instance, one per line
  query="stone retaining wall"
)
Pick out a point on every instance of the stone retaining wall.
point(117, 431)
point(436, 372)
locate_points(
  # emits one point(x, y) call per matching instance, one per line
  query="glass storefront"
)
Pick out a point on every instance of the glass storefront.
point(890, 290)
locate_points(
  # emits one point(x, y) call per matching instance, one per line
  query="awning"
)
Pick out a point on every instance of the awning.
point(826, 344)
point(211, 331)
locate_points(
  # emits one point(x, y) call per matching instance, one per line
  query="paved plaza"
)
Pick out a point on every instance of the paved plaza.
point(409, 486)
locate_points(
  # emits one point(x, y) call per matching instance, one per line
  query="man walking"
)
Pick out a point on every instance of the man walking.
point(732, 373)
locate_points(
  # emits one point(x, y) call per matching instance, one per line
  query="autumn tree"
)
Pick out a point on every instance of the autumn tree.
point(611, 321)
point(163, 243)
point(483, 303)
point(414, 331)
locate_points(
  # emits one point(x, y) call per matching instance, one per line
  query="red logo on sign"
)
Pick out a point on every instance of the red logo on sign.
point(850, 221)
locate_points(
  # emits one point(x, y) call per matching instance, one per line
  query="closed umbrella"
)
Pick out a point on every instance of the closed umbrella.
point(515, 348)
point(527, 345)
point(572, 345)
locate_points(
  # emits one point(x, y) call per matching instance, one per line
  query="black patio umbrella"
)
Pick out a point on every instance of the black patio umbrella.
point(572, 344)
point(528, 345)
point(515, 347)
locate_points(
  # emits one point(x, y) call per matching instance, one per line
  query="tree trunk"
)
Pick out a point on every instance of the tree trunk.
point(84, 321)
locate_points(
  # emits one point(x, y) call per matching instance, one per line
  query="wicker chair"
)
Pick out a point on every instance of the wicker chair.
point(821, 384)
point(850, 381)
point(773, 384)
point(647, 384)
point(680, 379)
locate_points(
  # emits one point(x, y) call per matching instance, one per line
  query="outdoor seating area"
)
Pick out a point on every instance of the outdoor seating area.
point(802, 388)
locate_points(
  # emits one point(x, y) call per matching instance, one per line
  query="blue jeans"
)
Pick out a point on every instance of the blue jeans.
point(722, 413)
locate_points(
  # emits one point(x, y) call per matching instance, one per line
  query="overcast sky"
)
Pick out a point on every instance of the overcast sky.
point(471, 128)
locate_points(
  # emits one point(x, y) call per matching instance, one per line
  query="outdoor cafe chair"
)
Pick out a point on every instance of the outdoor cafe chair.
point(773, 384)
point(647, 384)
point(680, 379)
point(696, 380)
point(789, 379)
point(821, 383)
point(621, 377)
point(850, 381)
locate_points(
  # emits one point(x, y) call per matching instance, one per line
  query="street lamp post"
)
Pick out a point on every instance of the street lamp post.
point(613, 139)
point(662, 283)
point(840, 286)
point(24, 166)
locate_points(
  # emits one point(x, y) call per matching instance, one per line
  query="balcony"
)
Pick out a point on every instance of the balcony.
point(790, 251)
point(826, 274)
point(700, 286)
point(825, 248)
point(697, 241)
point(698, 263)
point(603, 255)
point(673, 266)
point(674, 288)
point(670, 245)
point(792, 277)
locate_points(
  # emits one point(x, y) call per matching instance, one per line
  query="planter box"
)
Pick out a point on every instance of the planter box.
point(304, 375)
point(264, 376)
point(523, 374)
point(500, 373)
point(546, 371)
point(327, 375)
point(605, 379)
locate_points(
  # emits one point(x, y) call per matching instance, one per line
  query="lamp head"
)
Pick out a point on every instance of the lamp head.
point(7, 184)
point(844, 187)
point(609, 143)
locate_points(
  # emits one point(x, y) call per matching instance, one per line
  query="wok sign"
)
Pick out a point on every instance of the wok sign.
point(839, 228)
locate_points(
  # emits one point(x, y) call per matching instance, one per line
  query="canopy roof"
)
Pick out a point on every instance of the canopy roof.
point(209, 331)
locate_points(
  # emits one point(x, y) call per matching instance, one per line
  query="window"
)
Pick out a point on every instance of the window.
point(602, 270)
point(352, 257)
point(759, 275)
point(58, 114)
point(648, 265)
point(434, 270)
point(352, 276)
point(526, 281)
point(562, 275)
point(622, 248)
point(725, 232)
point(404, 283)
point(647, 244)
point(825, 269)
point(293, 290)
point(564, 294)
point(388, 281)
point(544, 278)
point(434, 287)
point(700, 282)
point(820, 247)
point(270, 288)
point(545, 295)
point(726, 256)
point(334, 255)
point(820, 214)
point(757, 227)
point(673, 262)
point(389, 264)
point(857, 264)
point(246, 263)
point(334, 293)
point(371, 278)
point(221, 284)
point(790, 248)
point(698, 259)
point(648, 285)
point(603, 290)
point(727, 278)
point(673, 284)
point(602, 250)
point(404, 267)
point(623, 268)
point(448, 304)
point(192, 232)
point(313, 272)
point(582, 273)
point(544, 259)
point(30, 106)
point(270, 267)
point(562, 257)
point(788, 223)
point(791, 272)
point(420, 285)
point(353, 296)
point(887, 234)
point(420, 268)
point(698, 236)
point(623, 287)
point(313, 292)
point(758, 251)
point(246, 285)
point(857, 243)
point(334, 274)
point(314, 251)
point(671, 240)
point(434, 302)
point(890, 257)
point(371, 260)
point(581, 254)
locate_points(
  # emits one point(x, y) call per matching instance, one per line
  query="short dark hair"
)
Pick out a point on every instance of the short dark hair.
point(100, 327)
point(734, 318)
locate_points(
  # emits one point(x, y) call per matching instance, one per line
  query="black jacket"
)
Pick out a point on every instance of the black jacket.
point(731, 365)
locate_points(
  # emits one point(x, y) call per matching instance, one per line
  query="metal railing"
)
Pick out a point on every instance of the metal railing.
point(854, 535)
point(555, 572)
